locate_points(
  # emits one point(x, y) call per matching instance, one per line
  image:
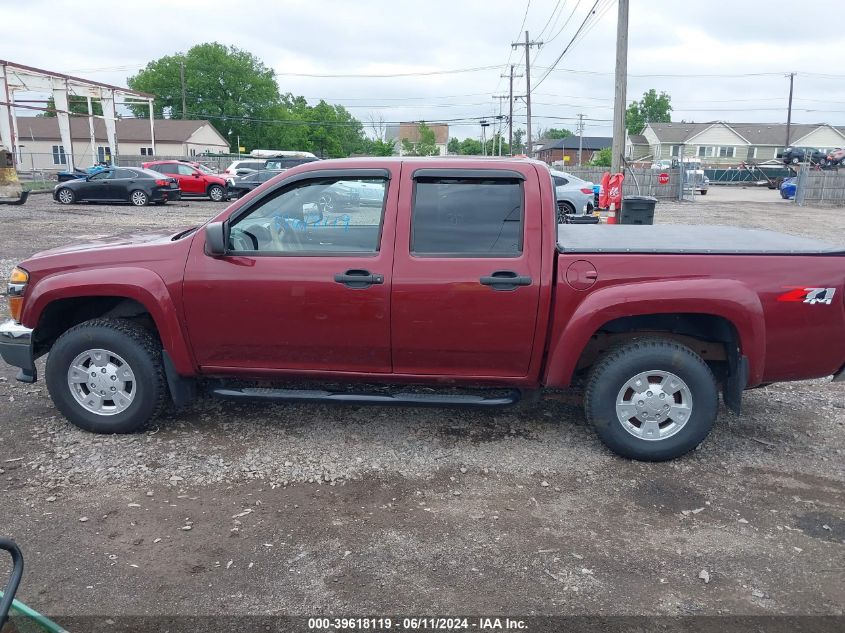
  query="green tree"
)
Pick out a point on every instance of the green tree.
point(493, 146)
point(453, 146)
point(556, 132)
point(76, 104)
point(425, 146)
point(379, 147)
point(652, 108)
point(602, 158)
point(518, 145)
point(225, 84)
point(470, 147)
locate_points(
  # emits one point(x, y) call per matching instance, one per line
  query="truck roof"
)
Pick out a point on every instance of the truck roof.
point(456, 162)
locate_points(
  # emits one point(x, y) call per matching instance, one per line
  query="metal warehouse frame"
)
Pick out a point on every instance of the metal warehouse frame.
point(19, 78)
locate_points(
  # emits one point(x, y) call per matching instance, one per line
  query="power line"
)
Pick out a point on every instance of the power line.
point(452, 71)
point(543, 30)
point(554, 37)
point(568, 46)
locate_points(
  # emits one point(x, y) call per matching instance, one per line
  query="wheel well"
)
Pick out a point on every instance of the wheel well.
point(712, 337)
point(62, 314)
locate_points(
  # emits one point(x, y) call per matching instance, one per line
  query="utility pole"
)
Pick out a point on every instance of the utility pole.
point(527, 44)
point(580, 137)
point(182, 80)
point(789, 111)
point(510, 110)
point(619, 104)
point(500, 117)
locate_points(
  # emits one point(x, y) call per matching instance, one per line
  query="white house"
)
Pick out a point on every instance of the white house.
point(39, 146)
point(411, 133)
point(719, 143)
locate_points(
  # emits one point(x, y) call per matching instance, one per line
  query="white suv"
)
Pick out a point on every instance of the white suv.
point(243, 167)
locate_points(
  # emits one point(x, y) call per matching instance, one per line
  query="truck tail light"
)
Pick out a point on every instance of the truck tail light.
point(14, 292)
point(586, 190)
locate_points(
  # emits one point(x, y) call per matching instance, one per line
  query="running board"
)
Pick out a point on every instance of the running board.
point(340, 397)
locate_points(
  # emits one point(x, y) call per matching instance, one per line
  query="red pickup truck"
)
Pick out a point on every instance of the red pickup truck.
point(429, 282)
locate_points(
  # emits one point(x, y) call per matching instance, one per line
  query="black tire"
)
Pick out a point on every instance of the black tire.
point(564, 208)
point(217, 193)
point(622, 364)
point(703, 192)
point(139, 198)
point(65, 195)
point(137, 346)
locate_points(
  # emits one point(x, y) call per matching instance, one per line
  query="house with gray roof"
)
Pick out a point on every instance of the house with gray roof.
point(565, 150)
point(40, 147)
point(723, 144)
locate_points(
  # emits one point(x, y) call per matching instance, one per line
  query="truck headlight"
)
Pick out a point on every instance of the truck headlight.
point(15, 290)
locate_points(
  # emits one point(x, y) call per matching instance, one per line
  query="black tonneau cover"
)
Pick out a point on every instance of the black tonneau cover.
point(682, 238)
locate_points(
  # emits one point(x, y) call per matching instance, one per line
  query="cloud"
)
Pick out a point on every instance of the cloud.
point(671, 45)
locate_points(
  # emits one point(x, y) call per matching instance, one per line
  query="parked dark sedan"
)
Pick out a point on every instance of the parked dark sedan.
point(120, 184)
point(239, 187)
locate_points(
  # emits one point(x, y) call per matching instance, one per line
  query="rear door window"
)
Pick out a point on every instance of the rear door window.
point(466, 217)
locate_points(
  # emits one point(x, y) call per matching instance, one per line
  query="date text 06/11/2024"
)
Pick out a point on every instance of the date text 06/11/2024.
point(417, 624)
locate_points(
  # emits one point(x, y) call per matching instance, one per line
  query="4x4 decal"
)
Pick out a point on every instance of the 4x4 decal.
point(809, 295)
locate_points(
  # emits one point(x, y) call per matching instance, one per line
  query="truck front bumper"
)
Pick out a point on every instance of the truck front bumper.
point(16, 349)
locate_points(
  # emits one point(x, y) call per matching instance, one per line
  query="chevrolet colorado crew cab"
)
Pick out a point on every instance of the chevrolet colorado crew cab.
point(457, 287)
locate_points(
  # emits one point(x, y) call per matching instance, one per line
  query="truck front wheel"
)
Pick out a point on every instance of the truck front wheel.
point(106, 376)
point(651, 399)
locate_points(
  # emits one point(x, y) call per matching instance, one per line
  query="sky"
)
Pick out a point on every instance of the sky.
point(719, 60)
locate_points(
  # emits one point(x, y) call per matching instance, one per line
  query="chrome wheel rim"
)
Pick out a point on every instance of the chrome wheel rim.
point(216, 194)
point(65, 196)
point(654, 405)
point(139, 198)
point(101, 382)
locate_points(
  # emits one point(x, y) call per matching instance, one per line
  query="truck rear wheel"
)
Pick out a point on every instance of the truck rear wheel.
point(106, 376)
point(651, 399)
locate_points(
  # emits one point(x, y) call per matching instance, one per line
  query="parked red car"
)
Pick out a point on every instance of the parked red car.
point(194, 179)
point(459, 280)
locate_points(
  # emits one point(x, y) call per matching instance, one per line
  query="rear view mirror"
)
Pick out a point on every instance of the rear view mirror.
point(215, 239)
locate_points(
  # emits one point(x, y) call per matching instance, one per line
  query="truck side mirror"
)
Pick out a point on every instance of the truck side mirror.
point(215, 239)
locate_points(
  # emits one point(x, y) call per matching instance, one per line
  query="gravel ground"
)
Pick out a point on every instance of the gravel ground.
point(303, 509)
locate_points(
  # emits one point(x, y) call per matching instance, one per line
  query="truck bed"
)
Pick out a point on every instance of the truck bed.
point(679, 238)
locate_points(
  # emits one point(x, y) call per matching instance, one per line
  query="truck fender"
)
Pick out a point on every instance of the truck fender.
point(726, 298)
point(140, 284)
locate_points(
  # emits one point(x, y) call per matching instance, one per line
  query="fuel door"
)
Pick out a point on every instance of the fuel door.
point(581, 274)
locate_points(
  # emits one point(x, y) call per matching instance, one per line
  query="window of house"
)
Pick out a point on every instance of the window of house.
point(322, 216)
point(193, 152)
point(467, 217)
point(752, 152)
point(103, 154)
point(704, 151)
point(727, 152)
point(146, 151)
point(675, 149)
point(59, 157)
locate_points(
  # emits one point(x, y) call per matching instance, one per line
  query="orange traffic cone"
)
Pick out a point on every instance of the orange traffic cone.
point(611, 214)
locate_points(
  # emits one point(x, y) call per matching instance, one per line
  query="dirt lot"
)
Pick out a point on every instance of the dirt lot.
point(234, 509)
